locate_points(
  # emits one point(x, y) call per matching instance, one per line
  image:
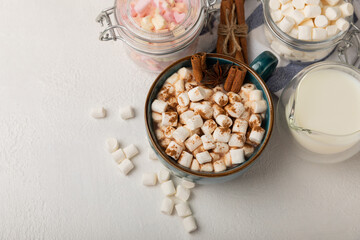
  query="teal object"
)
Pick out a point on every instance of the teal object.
point(264, 65)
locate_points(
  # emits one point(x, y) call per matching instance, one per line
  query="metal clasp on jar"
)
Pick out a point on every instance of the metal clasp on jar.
point(109, 32)
point(349, 47)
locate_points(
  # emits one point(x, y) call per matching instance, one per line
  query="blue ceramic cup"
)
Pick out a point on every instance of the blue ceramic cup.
point(263, 65)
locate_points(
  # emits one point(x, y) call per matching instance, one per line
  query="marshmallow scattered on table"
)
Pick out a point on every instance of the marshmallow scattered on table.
point(182, 193)
point(183, 209)
point(112, 145)
point(163, 175)
point(149, 179)
point(189, 224)
point(167, 206)
point(127, 112)
point(152, 154)
point(130, 151)
point(98, 112)
point(168, 188)
point(187, 184)
point(126, 166)
point(118, 155)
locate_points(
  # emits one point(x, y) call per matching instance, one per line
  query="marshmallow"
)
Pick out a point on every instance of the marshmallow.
point(149, 179)
point(118, 155)
point(305, 33)
point(194, 122)
point(205, 111)
point(319, 34)
point(227, 159)
point(286, 24)
point(347, 9)
point(221, 147)
point(332, 2)
point(189, 224)
point(286, 8)
point(167, 206)
point(217, 110)
point(235, 110)
point(158, 21)
point(207, 167)
point(298, 16)
point(159, 134)
point(233, 97)
point(342, 24)
point(248, 150)
point(309, 23)
point(298, 4)
point(169, 119)
point(179, 86)
point(209, 127)
point(168, 131)
point(194, 105)
point(181, 134)
point(172, 102)
point(294, 33)
point(255, 120)
point(215, 156)
point(312, 2)
point(181, 109)
point(277, 15)
point(332, 13)
point(224, 121)
point(112, 145)
point(185, 116)
point(182, 193)
point(98, 112)
point(256, 135)
point(146, 23)
point(196, 94)
point(168, 188)
point(193, 142)
point(237, 156)
point(185, 159)
point(221, 134)
point(183, 209)
point(274, 4)
point(219, 166)
point(152, 154)
point(247, 88)
point(237, 140)
point(184, 73)
point(240, 126)
point(208, 142)
point(321, 21)
point(142, 6)
point(203, 157)
point(126, 166)
point(130, 151)
point(174, 150)
point(220, 98)
point(312, 11)
point(255, 95)
point(195, 166)
point(332, 30)
point(173, 78)
point(198, 150)
point(245, 115)
point(163, 175)
point(159, 106)
point(157, 117)
point(190, 85)
point(183, 99)
point(187, 184)
point(165, 142)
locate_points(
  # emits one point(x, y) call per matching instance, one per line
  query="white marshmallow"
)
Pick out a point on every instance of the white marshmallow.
point(182, 193)
point(168, 188)
point(194, 105)
point(183, 209)
point(255, 120)
point(204, 110)
point(189, 224)
point(112, 145)
point(219, 166)
point(184, 73)
point(332, 2)
point(187, 184)
point(179, 86)
point(237, 156)
point(207, 167)
point(195, 166)
point(233, 97)
point(149, 179)
point(257, 135)
point(294, 33)
point(255, 95)
point(181, 134)
point(215, 156)
point(247, 88)
point(321, 21)
point(220, 98)
point(298, 16)
point(146, 23)
point(174, 150)
point(274, 4)
point(332, 30)
point(248, 150)
point(227, 159)
point(221, 134)
point(312, 2)
point(286, 24)
point(169, 119)
point(126, 166)
point(259, 106)
point(217, 110)
point(167, 206)
point(237, 140)
point(159, 106)
point(245, 115)
point(319, 34)
point(240, 126)
point(194, 122)
point(163, 175)
point(185, 116)
point(298, 4)
point(130, 151)
point(168, 131)
point(203, 157)
point(185, 159)
point(209, 127)
point(127, 112)
point(309, 23)
point(183, 99)
point(193, 142)
point(305, 33)
point(152, 154)
point(181, 110)
point(157, 117)
point(158, 21)
point(312, 11)
point(332, 13)
point(342, 24)
point(221, 147)
point(347, 9)
point(224, 121)
point(208, 142)
point(235, 110)
point(196, 94)
point(165, 142)
point(173, 78)
point(159, 134)
point(277, 15)
point(118, 155)
point(98, 112)
point(286, 8)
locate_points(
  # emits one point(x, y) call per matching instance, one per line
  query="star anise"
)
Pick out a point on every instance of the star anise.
point(215, 75)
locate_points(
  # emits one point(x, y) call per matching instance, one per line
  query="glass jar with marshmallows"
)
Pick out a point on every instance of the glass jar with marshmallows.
point(306, 30)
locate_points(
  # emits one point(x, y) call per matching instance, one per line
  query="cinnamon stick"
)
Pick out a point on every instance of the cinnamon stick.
point(240, 12)
point(226, 5)
point(198, 62)
point(238, 80)
point(230, 78)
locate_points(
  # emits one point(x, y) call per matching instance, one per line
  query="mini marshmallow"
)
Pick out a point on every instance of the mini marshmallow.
point(256, 135)
point(98, 112)
point(207, 167)
point(159, 134)
point(312, 11)
point(181, 109)
point(237, 140)
point(217, 110)
point(237, 156)
point(247, 88)
point(118, 155)
point(245, 115)
point(321, 21)
point(205, 111)
point(126, 166)
point(227, 159)
point(152, 154)
point(158, 21)
point(319, 34)
point(181, 134)
point(347, 9)
point(194, 105)
point(195, 166)
point(159, 106)
point(183, 99)
point(189, 224)
point(182, 193)
point(208, 142)
point(256, 95)
point(193, 142)
point(235, 110)
point(169, 119)
point(298, 16)
point(221, 147)
point(183, 209)
point(172, 102)
point(130, 151)
point(203, 157)
point(287, 8)
point(185, 116)
point(208, 93)
point(248, 150)
point(184, 73)
point(224, 121)
point(220, 98)
point(142, 6)
point(240, 126)
point(157, 117)
point(309, 23)
point(185, 159)
point(149, 179)
point(146, 23)
point(294, 33)
point(194, 122)
point(209, 127)
point(167, 206)
point(342, 24)
point(179, 86)
point(215, 156)
point(112, 145)
point(255, 120)
point(277, 15)
point(274, 4)
point(163, 175)
point(165, 142)
point(333, 13)
point(174, 150)
point(233, 97)
point(305, 33)
point(198, 150)
point(219, 166)
point(173, 78)
point(187, 184)
point(298, 4)
point(332, 2)
point(221, 134)
point(168, 188)
point(168, 131)
point(196, 94)
point(286, 24)
point(332, 30)
point(312, 2)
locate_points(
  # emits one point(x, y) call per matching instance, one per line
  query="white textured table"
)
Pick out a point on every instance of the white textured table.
point(57, 181)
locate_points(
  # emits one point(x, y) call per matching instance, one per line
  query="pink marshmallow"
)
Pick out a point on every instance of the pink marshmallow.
point(169, 16)
point(142, 6)
point(179, 17)
point(180, 7)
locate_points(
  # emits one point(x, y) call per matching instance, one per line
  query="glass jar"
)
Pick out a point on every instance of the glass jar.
point(293, 49)
point(155, 51)
point(312, 144)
